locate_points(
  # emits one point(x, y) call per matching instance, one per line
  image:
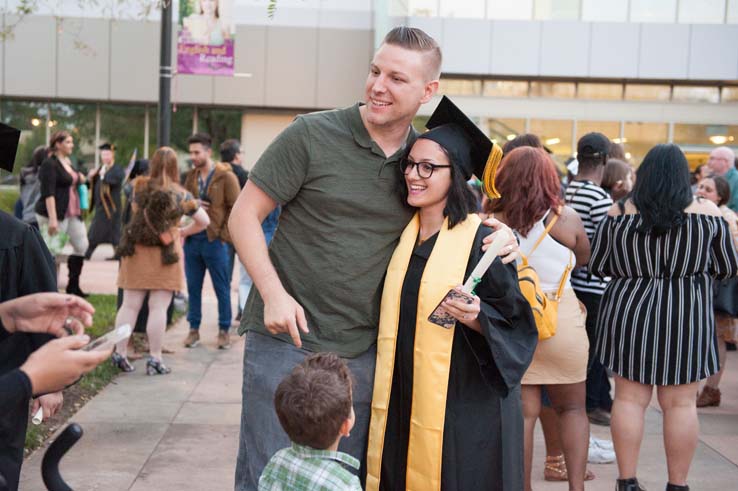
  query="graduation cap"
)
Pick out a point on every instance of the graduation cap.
point(106, 146)
point(469, 148)
point(9, 138)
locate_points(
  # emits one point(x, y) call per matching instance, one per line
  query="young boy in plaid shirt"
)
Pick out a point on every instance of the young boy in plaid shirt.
point(315, 409)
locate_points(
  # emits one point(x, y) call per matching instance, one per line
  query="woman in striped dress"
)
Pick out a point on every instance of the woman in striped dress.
point(656, 324)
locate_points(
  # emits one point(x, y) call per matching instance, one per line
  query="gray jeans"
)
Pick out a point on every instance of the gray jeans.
point(266, 362)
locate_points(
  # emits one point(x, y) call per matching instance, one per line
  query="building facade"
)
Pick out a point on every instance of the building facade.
point(640, 71)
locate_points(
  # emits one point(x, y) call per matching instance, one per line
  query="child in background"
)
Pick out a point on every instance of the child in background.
point(617, 179)
point(314, 406)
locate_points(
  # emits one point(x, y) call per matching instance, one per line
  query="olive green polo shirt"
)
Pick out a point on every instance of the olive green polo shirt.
point(341, 220)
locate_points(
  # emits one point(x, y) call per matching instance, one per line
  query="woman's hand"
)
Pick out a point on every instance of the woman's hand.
point(53, 228)
point(50, 313)
point(466, 313)
point(511, 251)
point(52, 404)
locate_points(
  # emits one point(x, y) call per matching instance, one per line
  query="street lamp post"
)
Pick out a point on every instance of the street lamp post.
point(165, 75)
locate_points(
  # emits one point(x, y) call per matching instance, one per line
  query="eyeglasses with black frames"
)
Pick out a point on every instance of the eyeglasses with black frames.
point(425, 169)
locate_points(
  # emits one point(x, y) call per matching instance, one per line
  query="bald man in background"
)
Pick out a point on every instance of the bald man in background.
point(722, 163)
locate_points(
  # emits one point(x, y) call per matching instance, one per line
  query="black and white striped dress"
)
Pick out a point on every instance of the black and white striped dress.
point(656, 324)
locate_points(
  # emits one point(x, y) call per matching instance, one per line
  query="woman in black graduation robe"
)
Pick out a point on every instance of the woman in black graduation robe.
point(446, 406)
point(483, 432)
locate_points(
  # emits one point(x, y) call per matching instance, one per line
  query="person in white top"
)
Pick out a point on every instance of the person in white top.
point(531, 205)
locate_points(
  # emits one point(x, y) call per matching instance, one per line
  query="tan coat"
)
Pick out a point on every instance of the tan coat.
point(222, 192)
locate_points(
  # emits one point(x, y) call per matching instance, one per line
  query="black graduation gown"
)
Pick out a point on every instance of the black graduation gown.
point(26, 267)
point(483, 430)
point(104, 230)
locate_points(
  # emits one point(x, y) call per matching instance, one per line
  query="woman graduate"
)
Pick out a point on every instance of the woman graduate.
point(446, 410)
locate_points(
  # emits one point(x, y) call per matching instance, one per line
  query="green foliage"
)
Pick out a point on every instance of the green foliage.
point(8, 196)
point(271, 8)
point(104, 318)
point(186, 9)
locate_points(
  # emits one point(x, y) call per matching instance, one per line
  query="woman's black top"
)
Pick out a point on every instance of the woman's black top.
point(55, 181)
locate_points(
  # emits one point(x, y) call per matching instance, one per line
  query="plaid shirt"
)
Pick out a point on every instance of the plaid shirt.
point(300, 468)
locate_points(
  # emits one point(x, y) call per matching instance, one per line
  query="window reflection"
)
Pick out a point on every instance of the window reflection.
point(457, 86)
point(730, 94)
point(653, 10)
point(604, 11)
point(556, 10)
point(510, 9)
point(705, 134)
point(600, 91)
point(505, 88)
point(555, 135)
point(30, 118)
point(610, 129)
point(123, 126)
point(696, 94)
point(473, 9)
point(702, 12)
point(641, 137)
point(501, 130)
point(647, 92)
point(560, 90)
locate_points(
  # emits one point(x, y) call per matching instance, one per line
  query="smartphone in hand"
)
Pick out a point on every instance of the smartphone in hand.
point(440, 315)
point(110, 339)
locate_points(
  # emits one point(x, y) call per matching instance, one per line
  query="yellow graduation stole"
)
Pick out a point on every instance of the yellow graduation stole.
point(432, 353)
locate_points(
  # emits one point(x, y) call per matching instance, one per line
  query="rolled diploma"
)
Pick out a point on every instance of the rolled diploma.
point(502, 237)
point(38, 417)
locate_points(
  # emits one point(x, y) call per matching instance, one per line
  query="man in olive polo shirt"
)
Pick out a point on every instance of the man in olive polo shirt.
point(318, 287)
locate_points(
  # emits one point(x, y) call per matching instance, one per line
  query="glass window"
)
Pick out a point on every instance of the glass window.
point(732, 16)
point(555, 135)
point(653, 10)
point(459, 86)
point(220, 124)
point(610, 129)
point(510, 9)
point(647, 92)
point(422, 8)
point(600, 91)
point(556, 9)
point(79, 120)
point(123, 126)
point(559, 90)
point(30, 118)
point(639, 138)
point(473, 9)
point(505, 88)
point(501, 130)
point(604, 11)
point(708, 135)
point(702, 11)
point(730, 94)
point(696, 94)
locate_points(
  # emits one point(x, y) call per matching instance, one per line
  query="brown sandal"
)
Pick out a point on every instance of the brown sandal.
point(555, 470)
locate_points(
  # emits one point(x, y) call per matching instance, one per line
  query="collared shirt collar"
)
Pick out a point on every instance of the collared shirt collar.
point(362, 137)
point(308, 452)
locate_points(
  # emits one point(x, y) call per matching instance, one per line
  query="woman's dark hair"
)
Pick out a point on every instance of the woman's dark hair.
point(662, 190)
point(524, 140)
point(529, 185)
point(39, 154)
point(722, 188)
point(460, 200)
point(57, 137)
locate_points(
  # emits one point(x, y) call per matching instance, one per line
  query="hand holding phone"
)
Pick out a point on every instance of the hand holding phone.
point(441, 316)
point(109, 340)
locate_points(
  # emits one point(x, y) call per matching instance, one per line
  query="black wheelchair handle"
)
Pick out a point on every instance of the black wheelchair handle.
point(50, 463)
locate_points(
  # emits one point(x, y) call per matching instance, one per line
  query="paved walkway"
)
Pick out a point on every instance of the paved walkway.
point(180, 432)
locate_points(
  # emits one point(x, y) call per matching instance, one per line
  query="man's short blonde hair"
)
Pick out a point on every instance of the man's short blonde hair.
point(415, 39)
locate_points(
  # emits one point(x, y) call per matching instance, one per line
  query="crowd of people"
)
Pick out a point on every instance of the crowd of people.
point(357, 232)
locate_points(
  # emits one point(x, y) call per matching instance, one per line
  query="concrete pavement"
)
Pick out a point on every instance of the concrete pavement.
point(180, 431)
